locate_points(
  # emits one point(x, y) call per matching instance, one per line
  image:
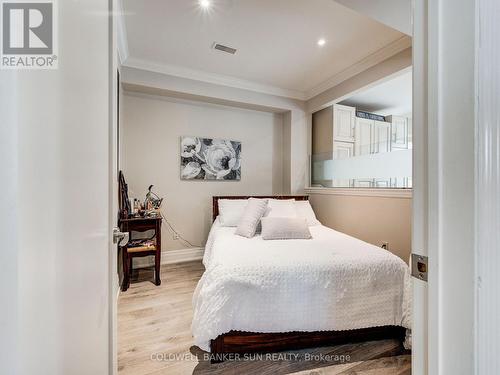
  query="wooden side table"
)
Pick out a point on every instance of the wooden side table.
point(140, 224)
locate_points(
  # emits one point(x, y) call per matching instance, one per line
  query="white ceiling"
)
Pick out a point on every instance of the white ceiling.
point(391, 97)
point(394, 13)
point(276, 40)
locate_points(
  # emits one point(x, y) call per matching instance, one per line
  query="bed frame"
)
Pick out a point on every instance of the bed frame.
point(250, 342)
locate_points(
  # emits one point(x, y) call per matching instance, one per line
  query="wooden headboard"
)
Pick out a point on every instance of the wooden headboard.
point(215, 200)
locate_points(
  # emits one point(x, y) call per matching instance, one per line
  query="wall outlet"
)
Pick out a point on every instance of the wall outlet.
point(385, 245)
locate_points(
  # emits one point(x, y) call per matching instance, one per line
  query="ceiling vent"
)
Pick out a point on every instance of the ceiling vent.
point(223, 48)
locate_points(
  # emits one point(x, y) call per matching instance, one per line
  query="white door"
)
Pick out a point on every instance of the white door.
point(61, 210)
point(381, 137)
point(363, 136)
point(114, 287)
point(343, 123)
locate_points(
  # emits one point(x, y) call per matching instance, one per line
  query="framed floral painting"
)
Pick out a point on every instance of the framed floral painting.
point(210, 159)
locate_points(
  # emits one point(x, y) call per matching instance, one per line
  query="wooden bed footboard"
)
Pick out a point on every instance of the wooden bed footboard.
point(248, 342)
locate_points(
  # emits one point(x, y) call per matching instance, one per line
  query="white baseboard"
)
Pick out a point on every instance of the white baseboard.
point(182, 255)
point(172, 256)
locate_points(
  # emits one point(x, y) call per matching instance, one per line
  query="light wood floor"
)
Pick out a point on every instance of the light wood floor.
point(154, 336)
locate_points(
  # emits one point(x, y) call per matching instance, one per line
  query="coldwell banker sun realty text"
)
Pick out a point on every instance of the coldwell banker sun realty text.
point(29, 34)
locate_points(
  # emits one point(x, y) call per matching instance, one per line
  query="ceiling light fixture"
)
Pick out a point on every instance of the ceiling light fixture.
point(321, 42)
point(205, 4)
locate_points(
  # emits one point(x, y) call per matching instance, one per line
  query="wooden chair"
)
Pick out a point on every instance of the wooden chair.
point(141, 224)
point(130, 224)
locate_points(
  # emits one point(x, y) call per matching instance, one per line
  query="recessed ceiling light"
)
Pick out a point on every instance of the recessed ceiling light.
point(321, 42)
point(205, 3)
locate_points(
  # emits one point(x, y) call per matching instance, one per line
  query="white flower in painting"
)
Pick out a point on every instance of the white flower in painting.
point(190, 146)
point(191, 170)
point(221, 159)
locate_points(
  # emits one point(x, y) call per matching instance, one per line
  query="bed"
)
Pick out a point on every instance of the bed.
point(266, 296)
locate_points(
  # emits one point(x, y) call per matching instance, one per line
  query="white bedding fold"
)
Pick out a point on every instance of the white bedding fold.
point(330, 282)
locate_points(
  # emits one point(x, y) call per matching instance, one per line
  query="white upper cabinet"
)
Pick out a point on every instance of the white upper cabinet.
point(343, 150)
point(343, 123)
point(363, 144)
point(372, 137)
point(399, 131)
point(382, 137)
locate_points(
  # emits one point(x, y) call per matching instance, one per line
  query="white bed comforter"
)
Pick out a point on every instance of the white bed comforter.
point(331, 282)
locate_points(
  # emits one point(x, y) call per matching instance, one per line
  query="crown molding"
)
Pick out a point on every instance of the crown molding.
point(122, 40)
point(371, 60)
point(218, 79)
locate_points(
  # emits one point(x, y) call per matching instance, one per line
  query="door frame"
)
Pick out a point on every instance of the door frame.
point(487, 180)
point(420, 337)
point(444, 186)
point(433, 220)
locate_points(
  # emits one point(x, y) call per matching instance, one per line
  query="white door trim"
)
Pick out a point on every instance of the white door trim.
point(114, 288)
point(443, 190)
point(487, 340)
point(420, 197)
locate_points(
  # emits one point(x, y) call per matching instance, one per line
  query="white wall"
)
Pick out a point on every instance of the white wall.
point(374, 219)
point(295, 117)
point(152, 127)
point(357, 215)
point(59, 215)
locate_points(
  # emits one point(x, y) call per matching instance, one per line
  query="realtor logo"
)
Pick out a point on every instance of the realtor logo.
point(28, 35)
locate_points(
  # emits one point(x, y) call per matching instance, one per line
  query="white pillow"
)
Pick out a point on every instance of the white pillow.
point(254, 211)
point(231, 211)
point(281, 208)
point(284, 228)
point(304, 210)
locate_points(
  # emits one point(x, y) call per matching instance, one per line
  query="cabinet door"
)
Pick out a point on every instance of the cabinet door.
point(410, 132)
point(382, 137)
point(399, 132)
point(363, 136)
point(343, 150)
point(343, 123)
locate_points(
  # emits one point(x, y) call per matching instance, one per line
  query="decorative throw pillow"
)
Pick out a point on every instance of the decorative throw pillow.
point(231, 211)
point(254, 211)
point(304, 210)
point(281, 208)
point(284, 228)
